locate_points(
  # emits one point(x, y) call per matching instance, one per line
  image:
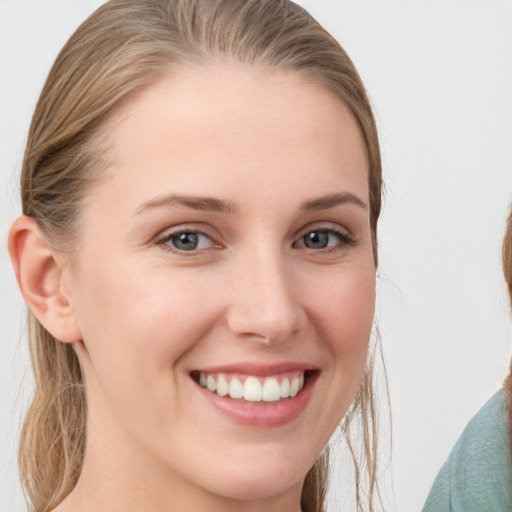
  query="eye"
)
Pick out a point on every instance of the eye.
point(187, 241)
point(319, 239)
point(316, 240)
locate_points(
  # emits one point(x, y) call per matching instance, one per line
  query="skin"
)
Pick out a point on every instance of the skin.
point(143, 314)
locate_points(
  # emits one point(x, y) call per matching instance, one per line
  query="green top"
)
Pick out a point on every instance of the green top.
point(477, 476)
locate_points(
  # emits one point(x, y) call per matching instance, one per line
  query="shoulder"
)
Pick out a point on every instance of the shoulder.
point(477, 474)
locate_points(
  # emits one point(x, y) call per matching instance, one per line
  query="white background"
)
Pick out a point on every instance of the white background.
point(440, 78)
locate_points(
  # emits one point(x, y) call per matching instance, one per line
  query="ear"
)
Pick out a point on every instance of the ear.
point(40, 279)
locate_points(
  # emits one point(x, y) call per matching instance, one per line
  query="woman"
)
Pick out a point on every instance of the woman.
point(478, 472)
point(201, 188)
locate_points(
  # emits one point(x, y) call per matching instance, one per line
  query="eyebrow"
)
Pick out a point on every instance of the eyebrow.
point(212, 204)
point(209, 204)
point(326, 202)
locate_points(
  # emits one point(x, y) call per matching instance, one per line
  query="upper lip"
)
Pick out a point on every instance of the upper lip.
point(258, 369)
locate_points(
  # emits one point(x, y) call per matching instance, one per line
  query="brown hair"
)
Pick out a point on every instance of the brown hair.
point(507, 271)
point(124, 46)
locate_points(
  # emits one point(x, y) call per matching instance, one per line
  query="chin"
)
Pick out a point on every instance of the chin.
point(257, 488)
point(258, 479)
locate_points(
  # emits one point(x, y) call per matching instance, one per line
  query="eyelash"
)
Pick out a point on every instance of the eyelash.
point(165, 241)
point(345, 240)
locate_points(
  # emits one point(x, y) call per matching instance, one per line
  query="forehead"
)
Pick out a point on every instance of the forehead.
point(214, 123)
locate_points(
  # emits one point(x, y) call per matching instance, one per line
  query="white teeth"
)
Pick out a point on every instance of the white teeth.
point(252, 389)
point(236, 390)
point(285, 388)
point(222, 386)
point(294, 386)
point(211, 384)
point(271, 391)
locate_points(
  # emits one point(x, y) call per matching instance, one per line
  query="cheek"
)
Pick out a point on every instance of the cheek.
point(345, 308)
point(342, 310)
point(137, 324)
point(139, 307)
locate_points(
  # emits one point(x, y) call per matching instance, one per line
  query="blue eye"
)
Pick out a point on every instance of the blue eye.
point(325, 239)
point(316, 240)
point(187, 241)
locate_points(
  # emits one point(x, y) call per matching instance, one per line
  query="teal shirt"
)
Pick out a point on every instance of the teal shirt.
point(477, 476)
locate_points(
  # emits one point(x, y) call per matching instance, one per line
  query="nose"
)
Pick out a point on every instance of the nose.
point(265, 304)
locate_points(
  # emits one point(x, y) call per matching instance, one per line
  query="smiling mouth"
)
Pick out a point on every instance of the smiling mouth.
point(250, 388)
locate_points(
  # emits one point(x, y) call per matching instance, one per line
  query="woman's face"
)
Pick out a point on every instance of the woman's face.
point(229, 247)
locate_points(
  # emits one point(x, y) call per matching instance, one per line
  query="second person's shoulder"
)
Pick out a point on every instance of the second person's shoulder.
point(477, 475)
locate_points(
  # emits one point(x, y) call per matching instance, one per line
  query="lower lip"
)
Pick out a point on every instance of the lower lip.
point(261, 414)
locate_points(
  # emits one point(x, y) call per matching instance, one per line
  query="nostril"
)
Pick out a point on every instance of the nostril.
point(263, 325)
point(256, 335)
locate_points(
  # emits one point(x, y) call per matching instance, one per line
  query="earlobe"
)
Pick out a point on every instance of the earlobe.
point(40, 279)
